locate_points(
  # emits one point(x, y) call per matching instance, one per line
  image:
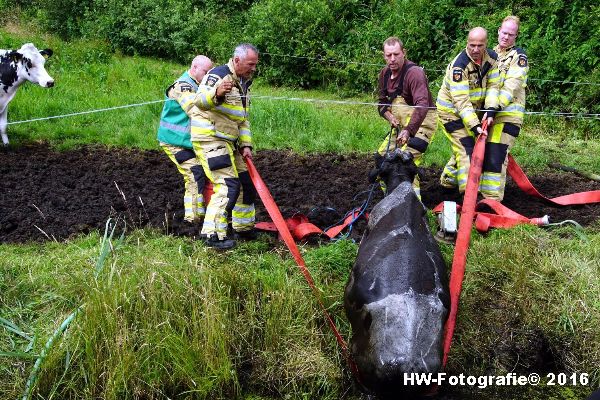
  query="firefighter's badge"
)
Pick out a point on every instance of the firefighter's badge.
point(211, 80)
point(457, 75)
point(186, 87)
point(522, 61)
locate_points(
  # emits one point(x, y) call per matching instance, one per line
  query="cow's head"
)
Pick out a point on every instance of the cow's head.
point(33, 64)
point(394, 168)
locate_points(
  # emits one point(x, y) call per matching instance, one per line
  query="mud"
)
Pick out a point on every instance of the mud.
point(50, 195)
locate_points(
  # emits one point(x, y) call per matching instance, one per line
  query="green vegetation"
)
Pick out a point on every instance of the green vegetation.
point(166, 317)
point(336, 44)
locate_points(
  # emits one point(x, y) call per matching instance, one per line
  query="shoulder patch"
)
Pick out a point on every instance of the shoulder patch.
point(457, 74)
point(522, 60)
point(211, 80)
point(462, 60)
point(186, 87)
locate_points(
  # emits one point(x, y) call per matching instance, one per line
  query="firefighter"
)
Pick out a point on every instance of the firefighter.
point(405, 101)
point(174, 138)
point(470, 84)
point(221, 138)
point(513, 68)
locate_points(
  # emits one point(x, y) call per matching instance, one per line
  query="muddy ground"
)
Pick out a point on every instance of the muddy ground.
point(49, 195)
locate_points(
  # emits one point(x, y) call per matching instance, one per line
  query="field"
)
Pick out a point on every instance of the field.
point(161, 316)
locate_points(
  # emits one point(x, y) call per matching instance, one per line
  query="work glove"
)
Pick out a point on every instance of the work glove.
point(491, 112)
point(477, 130)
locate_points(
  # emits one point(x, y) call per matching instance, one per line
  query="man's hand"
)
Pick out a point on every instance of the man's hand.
point(224, 88)
point(477, 130)
point(489, 118)
point(403, 137)
point(246, 152)
point(391, 119)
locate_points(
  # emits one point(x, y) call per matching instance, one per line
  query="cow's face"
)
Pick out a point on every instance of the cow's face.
point(33, 65)
point(394, 168)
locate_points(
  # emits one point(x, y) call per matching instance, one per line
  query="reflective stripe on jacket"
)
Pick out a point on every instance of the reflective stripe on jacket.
point(514, 68)
point(468, 87)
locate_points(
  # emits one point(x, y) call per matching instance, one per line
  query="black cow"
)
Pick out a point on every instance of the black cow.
point(397, 296)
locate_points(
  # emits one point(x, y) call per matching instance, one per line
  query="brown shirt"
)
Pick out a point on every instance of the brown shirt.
point(415, 91)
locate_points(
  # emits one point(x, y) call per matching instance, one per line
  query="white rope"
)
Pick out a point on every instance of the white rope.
point(85, 112)
point(303, 99)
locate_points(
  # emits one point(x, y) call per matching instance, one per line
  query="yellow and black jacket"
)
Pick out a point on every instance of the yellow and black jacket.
point(225, 118)
point(468, 88)
point(513, 67)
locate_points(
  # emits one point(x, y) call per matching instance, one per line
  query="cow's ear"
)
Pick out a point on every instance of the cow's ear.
point(46, 53)
point(373, 175)
point(378, 160)
point(15, 56)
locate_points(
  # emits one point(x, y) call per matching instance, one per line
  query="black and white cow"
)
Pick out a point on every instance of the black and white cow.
point(17, 67)
point(397, 297)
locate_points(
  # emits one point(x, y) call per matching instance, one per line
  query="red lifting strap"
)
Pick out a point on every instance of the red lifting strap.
point(463, 237)
point(504, 218)
point(523, 183)
point(301, 228)
point(282, 227)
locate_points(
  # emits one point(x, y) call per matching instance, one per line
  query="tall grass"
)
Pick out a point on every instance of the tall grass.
point(168, 317)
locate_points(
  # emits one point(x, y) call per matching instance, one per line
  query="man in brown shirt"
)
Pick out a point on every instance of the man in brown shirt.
point(406, 103)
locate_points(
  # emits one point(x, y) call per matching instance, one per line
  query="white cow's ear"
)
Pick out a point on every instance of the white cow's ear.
point(15, 56)
point(46, 53)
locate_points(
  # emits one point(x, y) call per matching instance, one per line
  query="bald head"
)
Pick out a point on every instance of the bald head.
point(477, 43)
point(200, 66)
point(478, 33)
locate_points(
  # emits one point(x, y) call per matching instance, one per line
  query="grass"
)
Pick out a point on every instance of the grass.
point(167, 317)
point(158, 320)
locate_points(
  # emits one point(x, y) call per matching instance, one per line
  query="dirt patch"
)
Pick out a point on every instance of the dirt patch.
point(47, 195)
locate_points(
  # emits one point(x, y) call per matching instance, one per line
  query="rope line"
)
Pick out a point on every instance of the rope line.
point(85, 112)
point(303, 99)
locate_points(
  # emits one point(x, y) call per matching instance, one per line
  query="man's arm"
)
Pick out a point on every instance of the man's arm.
point(492, 90)
point(383, 103)
point(212, 91)
point(184, 94)
point(417, 84)
point(245, 140)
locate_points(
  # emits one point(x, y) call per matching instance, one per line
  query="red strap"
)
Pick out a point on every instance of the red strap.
point(523, 183)
point(306, 229)
point(301, 228)
point(504, 218)
point(335, 230)
point(463, 237)
point(277, 218)
point(266, 226)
